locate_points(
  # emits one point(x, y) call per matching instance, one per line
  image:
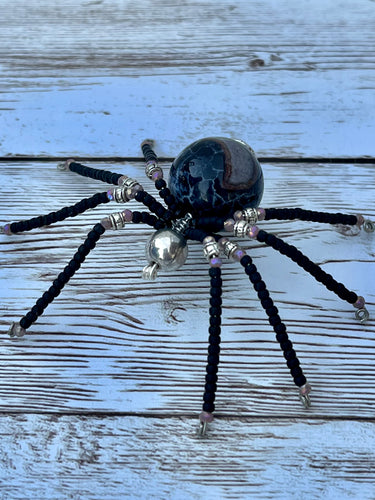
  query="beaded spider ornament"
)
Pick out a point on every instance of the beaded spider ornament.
point(215, 185)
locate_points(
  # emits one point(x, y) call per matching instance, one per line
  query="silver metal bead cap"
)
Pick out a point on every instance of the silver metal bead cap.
point(241, 228)
point(126, 191)
point(250, 215)
point(180, 225)
point(167, 248)
point(211, 249)
point(117, 220)
point(151, 168)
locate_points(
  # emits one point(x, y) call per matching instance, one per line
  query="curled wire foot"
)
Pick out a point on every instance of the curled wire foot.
point(362, 315)
point(304, 395)
point(369, 226)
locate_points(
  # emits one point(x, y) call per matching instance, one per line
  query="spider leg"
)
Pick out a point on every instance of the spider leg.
point(58, 216)
point(114, 221)
point(316, 271)
point(92, 173)
point(279, 328)
point(315, 216)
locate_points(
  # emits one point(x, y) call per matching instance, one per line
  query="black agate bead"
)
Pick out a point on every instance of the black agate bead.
point(216, 176)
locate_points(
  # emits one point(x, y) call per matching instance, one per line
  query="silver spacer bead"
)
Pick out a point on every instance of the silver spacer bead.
point(151, 168)
point(304, 395)
point(241, 228)
point(229, 248)
point(210, 248)
point(250, 215)
point(126, 191)
point(117, 220)
point(362, 315)
point(16, 330)
point(369, 226)
point(150, 271)
point(180, 225)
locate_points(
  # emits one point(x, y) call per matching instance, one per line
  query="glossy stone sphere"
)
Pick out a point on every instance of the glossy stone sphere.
point(167, 248)
point(217, 176)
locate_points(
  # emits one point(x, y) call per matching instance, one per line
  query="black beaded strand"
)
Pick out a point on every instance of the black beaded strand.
point(94, 173)
point(58, 216)
point(19, 329)
point(275, 321)
point(309, 215)
point(317, 272)
point(213, 348)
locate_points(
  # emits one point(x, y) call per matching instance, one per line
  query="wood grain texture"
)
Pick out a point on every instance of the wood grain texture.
point(117, 457)
point(291, 77)
point(112, 342)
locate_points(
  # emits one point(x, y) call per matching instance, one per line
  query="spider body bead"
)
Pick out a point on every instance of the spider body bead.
point(216, 176)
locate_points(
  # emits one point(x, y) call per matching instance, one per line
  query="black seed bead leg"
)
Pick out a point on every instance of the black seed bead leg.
point(154, 206)
point(148, 153)
point(275, 321)
point(213, 340)
point(299, 258)
point(95, 173)
point(60, 215)
point(309, 215)
point(147, 218)
point(63, 278)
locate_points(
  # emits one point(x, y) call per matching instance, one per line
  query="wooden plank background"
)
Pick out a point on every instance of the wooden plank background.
point(101, 399)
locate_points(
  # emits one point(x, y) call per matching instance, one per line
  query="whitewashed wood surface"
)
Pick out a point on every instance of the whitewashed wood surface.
point(100, 400)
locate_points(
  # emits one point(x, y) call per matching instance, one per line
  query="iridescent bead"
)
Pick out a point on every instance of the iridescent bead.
point(229, 225)
point(238, 215)
point(360, 302)
point(360, 220)
point(261, 214)
point(158, 174)
point(238, 254)
point(222, 242)
point(252, 232)
point(110, 194)
point(6, 229)
point(128, 215)
point(122, 179)
point(106, 223)
point(208, 239)
point(206, 417)
point(215, 262)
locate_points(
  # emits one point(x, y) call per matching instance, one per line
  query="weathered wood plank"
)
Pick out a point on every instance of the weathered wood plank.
point(112, 342)
point(48, 457)
point(290, 77)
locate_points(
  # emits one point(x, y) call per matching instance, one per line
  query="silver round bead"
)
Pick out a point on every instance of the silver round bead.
point(167, 248)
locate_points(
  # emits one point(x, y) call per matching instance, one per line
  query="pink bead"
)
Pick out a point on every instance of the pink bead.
point(360, 303)
point(238, 254)
point(360, 220)
point(206, 417)
point(128, 215)
point(238, 215)
point(122, 179)
point(106, 223)
point(261, 214)
point(222, 242)
point(110, 194)
point(215, 262)
point(6, 229)
point(253, 232)
point(208, 239)
point(229, 225)
point(134, 190)
point(158, 174)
